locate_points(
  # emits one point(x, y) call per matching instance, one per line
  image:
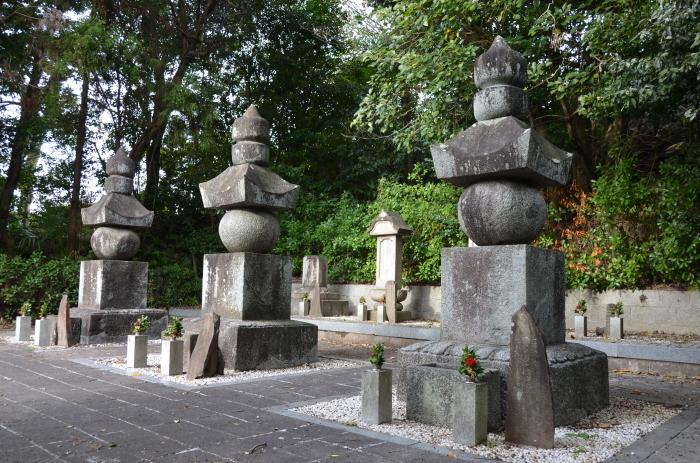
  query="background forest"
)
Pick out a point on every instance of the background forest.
point(355, 92)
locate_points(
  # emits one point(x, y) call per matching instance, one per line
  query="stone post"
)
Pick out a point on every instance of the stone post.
point(470, 413)
point(171, 357)
point(44, 329)
point(376, 396)
point(249, 287)
point(190, 341)
point(361, 313)
point(23, 328)
point(137, 351)
point(113, 289)
point(617, 330)
point(580, 326)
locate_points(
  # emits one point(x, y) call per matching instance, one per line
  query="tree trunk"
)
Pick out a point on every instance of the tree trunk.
point(153, 170)
point(75, 221)
point(29, 106)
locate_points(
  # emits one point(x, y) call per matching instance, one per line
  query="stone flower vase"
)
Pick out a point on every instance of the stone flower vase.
point(304, 308)
point(44, 331)
point(171, 357)
point(376, 396)
point(136, 350)
point(361, 312)
point(23, 328)
point(470, 412)
point(580, 326)
point(617, 330)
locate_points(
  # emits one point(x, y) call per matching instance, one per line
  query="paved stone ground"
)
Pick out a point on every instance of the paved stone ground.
point(53, 409)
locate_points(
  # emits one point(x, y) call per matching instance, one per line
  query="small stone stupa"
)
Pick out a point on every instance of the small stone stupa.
point(502, 163)
point(248, 287)
point(113, 289)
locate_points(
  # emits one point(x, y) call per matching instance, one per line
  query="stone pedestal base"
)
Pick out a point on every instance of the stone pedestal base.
point(270, 344)
point(376, 396)
point(579, 374)
point(101, 326)
point(113, 284)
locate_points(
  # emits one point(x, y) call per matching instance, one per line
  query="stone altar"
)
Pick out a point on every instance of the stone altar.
point(315, 274)
point(502, 163)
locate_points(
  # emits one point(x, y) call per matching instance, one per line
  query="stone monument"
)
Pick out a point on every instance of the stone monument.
point(315, 275)
point(247, 287)
point(501, 163)
point(113, 289)
point(389, 228)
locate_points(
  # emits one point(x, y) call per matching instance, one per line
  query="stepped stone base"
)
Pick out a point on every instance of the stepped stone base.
point(579, 374)
point(401, 316)
point(101, 326)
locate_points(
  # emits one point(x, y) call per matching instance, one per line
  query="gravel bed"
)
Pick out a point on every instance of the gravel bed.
point(11, 340)
point(668, 340)
point(593, 439)
point(229, 376)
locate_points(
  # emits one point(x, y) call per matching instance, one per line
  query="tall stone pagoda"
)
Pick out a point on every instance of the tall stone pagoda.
point(502, 163)
point(113, 289)
point(248, 287)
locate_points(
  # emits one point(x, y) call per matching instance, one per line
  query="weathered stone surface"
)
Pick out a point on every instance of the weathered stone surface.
point(23, 328)
point(137, 351)
point(389, 223)
point(113, 285)
point(249, 230)
point(247, 286)
point(500, 65)
point(245, 152)
point(314, 272)
point(500, 101)
point(529, 409)
point(501, 212)
point(580, 326)
point(617, 330)
point(63, 326)
point(205, 360)
point(190, 341)
point(482, 287)
point(101, 326)
point(43, 329)
point(251, 126)
point(121, 164)
point(117, 210)
point(501, 148)
point(376, 396)
point(261, 345)
point(171, 357)
point(119, 184)
point(111, 243)
point(315, 309)
point(470, 412)
point(579, 374)
point(248, 185)
point(390, 302)
point(429, 392)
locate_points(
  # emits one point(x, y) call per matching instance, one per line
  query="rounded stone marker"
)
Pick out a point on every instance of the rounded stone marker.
point(115, 243)
point(501, 212)
point(248, 230)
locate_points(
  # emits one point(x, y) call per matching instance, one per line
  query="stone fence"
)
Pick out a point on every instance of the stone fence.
point(650, 310)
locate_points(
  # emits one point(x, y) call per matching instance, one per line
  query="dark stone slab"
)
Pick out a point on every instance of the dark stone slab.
point(205, 361)
point(247, 286)
point(63, 325)
point(578, 374)
point(261, 345)
point(529, 410)
point(189, 341)
point(113, 285)
point(101, 326)
point(482, 287)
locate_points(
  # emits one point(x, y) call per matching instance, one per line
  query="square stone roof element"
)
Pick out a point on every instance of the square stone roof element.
point(501, 148)
point(248, 185)
point(389, 223)
point(118, 210)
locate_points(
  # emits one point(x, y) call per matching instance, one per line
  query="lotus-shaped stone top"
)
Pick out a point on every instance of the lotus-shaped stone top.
point(500, 65)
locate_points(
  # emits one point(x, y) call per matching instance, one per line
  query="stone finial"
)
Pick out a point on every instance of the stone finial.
point(500, 73)
point(121, 164)
point(389, 223)
point(252, 133)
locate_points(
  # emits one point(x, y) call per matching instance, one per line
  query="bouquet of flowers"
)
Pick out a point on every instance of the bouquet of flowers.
point(470, 365)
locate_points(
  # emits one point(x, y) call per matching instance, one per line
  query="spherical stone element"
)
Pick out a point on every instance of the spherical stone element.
point(111, 243)
point(499, 65)
point(500, 101)
point(119, 184)
point(501, 212)
point(249, 230)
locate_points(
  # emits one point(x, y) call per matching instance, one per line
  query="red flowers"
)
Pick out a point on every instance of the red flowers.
point(470, 365)
point(470, 362)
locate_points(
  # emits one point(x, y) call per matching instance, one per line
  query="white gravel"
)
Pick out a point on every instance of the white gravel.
point(30, 343)
point(229, 376)
point(593, 439)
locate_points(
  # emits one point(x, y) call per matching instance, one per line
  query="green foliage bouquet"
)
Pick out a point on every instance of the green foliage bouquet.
point(141, 325)
point(470, 365)
point(581, 307)
point(174, 329)
point(617, 309)
point(377, 357)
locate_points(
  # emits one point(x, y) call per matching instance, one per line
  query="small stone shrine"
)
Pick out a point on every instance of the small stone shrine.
point(247, 287)
point(113, 289)
point(315, 274)
point(501, 163)
point(389, 228)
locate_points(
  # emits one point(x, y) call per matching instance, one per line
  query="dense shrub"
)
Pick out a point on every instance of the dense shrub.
point(36, 279)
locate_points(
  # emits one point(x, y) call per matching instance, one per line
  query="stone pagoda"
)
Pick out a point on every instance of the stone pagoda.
point(502, 163)
point(247, 287)
point(113, 289)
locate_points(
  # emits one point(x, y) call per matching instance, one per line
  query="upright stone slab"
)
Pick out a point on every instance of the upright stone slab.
point(189, 343)
point(529, 406)
point(65, 338)
point(204, 361)
point(315, 309)
point(376, 396)
point(390, 303)
point(23, 328)
point(314, 272)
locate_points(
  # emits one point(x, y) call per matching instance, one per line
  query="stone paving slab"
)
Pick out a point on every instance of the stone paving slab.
point(54, 409)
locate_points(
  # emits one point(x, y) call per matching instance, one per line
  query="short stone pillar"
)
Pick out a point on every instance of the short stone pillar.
point(23, 328)
point(617, 330)
point(470, 412)
point(580, 326)
point(44, 331)
point(361, 313)
point(137, 351)
point(381, 313)
point(376, 396)
point(303, 308)
point(171, 357)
